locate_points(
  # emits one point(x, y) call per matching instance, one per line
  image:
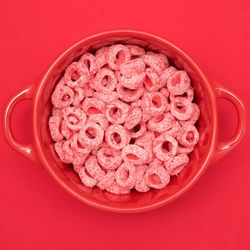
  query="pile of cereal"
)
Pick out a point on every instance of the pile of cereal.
point(124, 118)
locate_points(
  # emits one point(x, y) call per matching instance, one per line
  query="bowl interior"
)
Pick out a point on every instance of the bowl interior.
point(134, 201)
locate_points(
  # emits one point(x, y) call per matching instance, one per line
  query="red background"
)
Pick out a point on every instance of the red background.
point(36, 213)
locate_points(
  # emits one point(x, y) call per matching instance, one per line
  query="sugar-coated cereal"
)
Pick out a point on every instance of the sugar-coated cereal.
point(181, 108)
point(117, 112)
point(134, 154)
point(165, 146)
point(152, 81)
point(76, 74)
point(188, 135)
point(124, 118)
point(91, 135)
point(89, 61)
point(109, 158)
point(117, 136)
point(133, 118)
point(140, 184)
point(117, 54)
point(176, 164)
point(105, 80)
point(125, 175)
point(158, 62)
point(178, 83)
point(157, 177)
point(63, 96)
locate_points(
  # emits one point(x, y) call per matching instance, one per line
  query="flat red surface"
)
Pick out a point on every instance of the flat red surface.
point(36, 213)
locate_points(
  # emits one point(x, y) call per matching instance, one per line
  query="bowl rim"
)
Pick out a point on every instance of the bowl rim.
point(110, 208)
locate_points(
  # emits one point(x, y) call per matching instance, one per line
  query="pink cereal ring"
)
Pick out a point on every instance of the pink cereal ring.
point(102, 57)
point(91, 135)
point(105, 80)
point(152, 80)
point(133, 82)
point(94, 169)
point(76, 74)
point(78, 96)
point(188, 136)
point(65, 130)
point(88, 91)
point(194, 117)
point(156, 163)
point(89, 61)
point(115, 188)
point(128, 95)
point(133, 118)
point(86, 179)
point(117, 112)
point(157, 177)
point(117, 136)
point(135, 51)
point(125, 175)
point(178, 83)
point(158, 62)
point(78, 147)
point(63, 96)
point(109, 158)
point(75, 118)
point(146, 139)
point(99, 119)
point(184, 150)
point(117, 55)
point(162, 122)
point(64, 151)
point(106, 97)
point(176, 164)
point(134, 154)
point(166, 74)
point(54, 127)
point(188, 94)
point(174, 130)
point(140, 184)
point(164, 91)
point(181, 108)
point(138, 130)
point(165, 146)
point(154, 103)
point(132, 67)
point(93, 106)
point(107, 180)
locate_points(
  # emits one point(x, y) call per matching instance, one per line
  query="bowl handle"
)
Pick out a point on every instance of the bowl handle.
point(26, 150)
point(225, 147)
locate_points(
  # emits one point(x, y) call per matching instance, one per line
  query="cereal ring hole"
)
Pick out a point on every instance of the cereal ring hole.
point(176, 80)
point(190, 136)
point(159, 118)
point(154, 179)
point(166, 146)
point(136, 128)
point(120, 57)
point(116, 138)
point(65, 97)
point(115, 112)
point(93, 110)
point(132, 140)
point(73, 119)
point(75, 76)
point(91, 133)
point(181, 108)
point(132, 157)
point(148, 82)
point(156, 101)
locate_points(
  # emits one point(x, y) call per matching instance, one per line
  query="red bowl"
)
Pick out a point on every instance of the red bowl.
point(208, 149)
